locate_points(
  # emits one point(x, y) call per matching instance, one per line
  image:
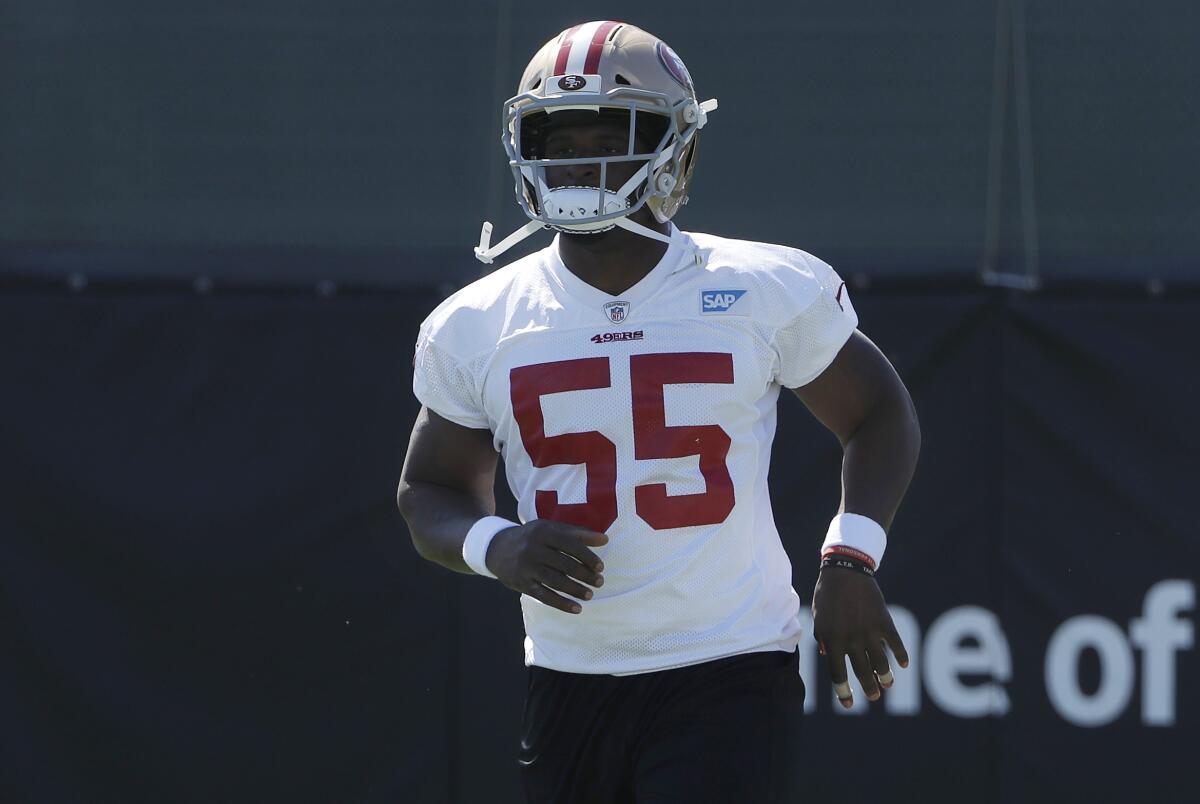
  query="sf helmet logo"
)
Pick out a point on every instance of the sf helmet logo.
point(675, 66)
point(571, 82)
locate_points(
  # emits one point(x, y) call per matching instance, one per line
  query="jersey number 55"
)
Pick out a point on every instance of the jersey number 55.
point(652, 438)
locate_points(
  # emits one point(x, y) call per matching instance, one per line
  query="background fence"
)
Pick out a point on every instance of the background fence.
point(923, 139)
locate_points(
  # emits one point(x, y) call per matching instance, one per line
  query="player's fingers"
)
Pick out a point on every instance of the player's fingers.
point(593, 538)
point(835, 658)
point(897, 646)
point(559, 582)
point(538, 592)
point(571, 568)
point(877, 657)
point(862, 669)
point(569, 542)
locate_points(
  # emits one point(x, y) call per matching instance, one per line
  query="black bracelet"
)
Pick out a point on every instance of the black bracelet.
point(846, 563)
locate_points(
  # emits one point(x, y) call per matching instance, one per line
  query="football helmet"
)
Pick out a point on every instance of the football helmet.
point(613, 71)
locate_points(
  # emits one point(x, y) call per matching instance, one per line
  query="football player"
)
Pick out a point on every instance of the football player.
point(628, 373)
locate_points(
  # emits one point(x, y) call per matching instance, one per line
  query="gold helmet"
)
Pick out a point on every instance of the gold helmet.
point(610, 69)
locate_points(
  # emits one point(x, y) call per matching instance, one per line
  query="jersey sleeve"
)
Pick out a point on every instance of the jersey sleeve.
point(808, 342)
point(445, 384)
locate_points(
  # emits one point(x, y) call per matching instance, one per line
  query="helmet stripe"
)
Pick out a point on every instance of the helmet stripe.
point(564, 50)
point(592, 67)
point(580, 41)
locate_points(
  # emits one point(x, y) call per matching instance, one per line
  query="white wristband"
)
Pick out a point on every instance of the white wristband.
point(479, 537)
point(857, 531)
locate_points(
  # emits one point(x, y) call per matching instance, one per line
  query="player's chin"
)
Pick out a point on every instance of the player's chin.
point(590, 237)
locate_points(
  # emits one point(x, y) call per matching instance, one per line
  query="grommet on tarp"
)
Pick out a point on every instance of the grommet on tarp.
point(326, 288)
point(76, 283)
point(202, 285)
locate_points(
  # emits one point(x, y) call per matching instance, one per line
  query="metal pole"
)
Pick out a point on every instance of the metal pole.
point(995, 174)
point(1010, 42)
point(1029, 219)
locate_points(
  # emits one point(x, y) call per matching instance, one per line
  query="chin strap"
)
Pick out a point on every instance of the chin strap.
point(486, 253)
point(645, 231)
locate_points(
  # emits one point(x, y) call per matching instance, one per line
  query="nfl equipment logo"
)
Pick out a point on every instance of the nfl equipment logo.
point(616, 311)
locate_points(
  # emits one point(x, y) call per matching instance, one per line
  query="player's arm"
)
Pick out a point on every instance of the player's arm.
point(446, 487)
point(863, 402)
point(860, 398)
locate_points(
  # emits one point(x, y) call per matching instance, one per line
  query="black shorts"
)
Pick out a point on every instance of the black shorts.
point(721, 731)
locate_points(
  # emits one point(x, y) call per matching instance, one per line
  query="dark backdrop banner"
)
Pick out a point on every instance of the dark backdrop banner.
point(206, 593)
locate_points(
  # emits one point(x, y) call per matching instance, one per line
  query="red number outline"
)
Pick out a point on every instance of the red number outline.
point(527, 385)
point(652, 438)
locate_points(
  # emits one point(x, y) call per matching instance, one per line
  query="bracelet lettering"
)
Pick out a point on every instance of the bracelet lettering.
point(841, 549)
point(846, 563)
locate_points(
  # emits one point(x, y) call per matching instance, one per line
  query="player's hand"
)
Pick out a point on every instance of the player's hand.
point(851, 621)
point(543, 557)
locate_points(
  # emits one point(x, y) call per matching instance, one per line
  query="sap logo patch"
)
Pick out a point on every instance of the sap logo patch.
point(719, 301)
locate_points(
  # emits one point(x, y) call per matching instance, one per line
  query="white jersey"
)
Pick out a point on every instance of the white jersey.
point(648, 416)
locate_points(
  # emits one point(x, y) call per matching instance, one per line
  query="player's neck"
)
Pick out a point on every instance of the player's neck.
point(616, 260)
